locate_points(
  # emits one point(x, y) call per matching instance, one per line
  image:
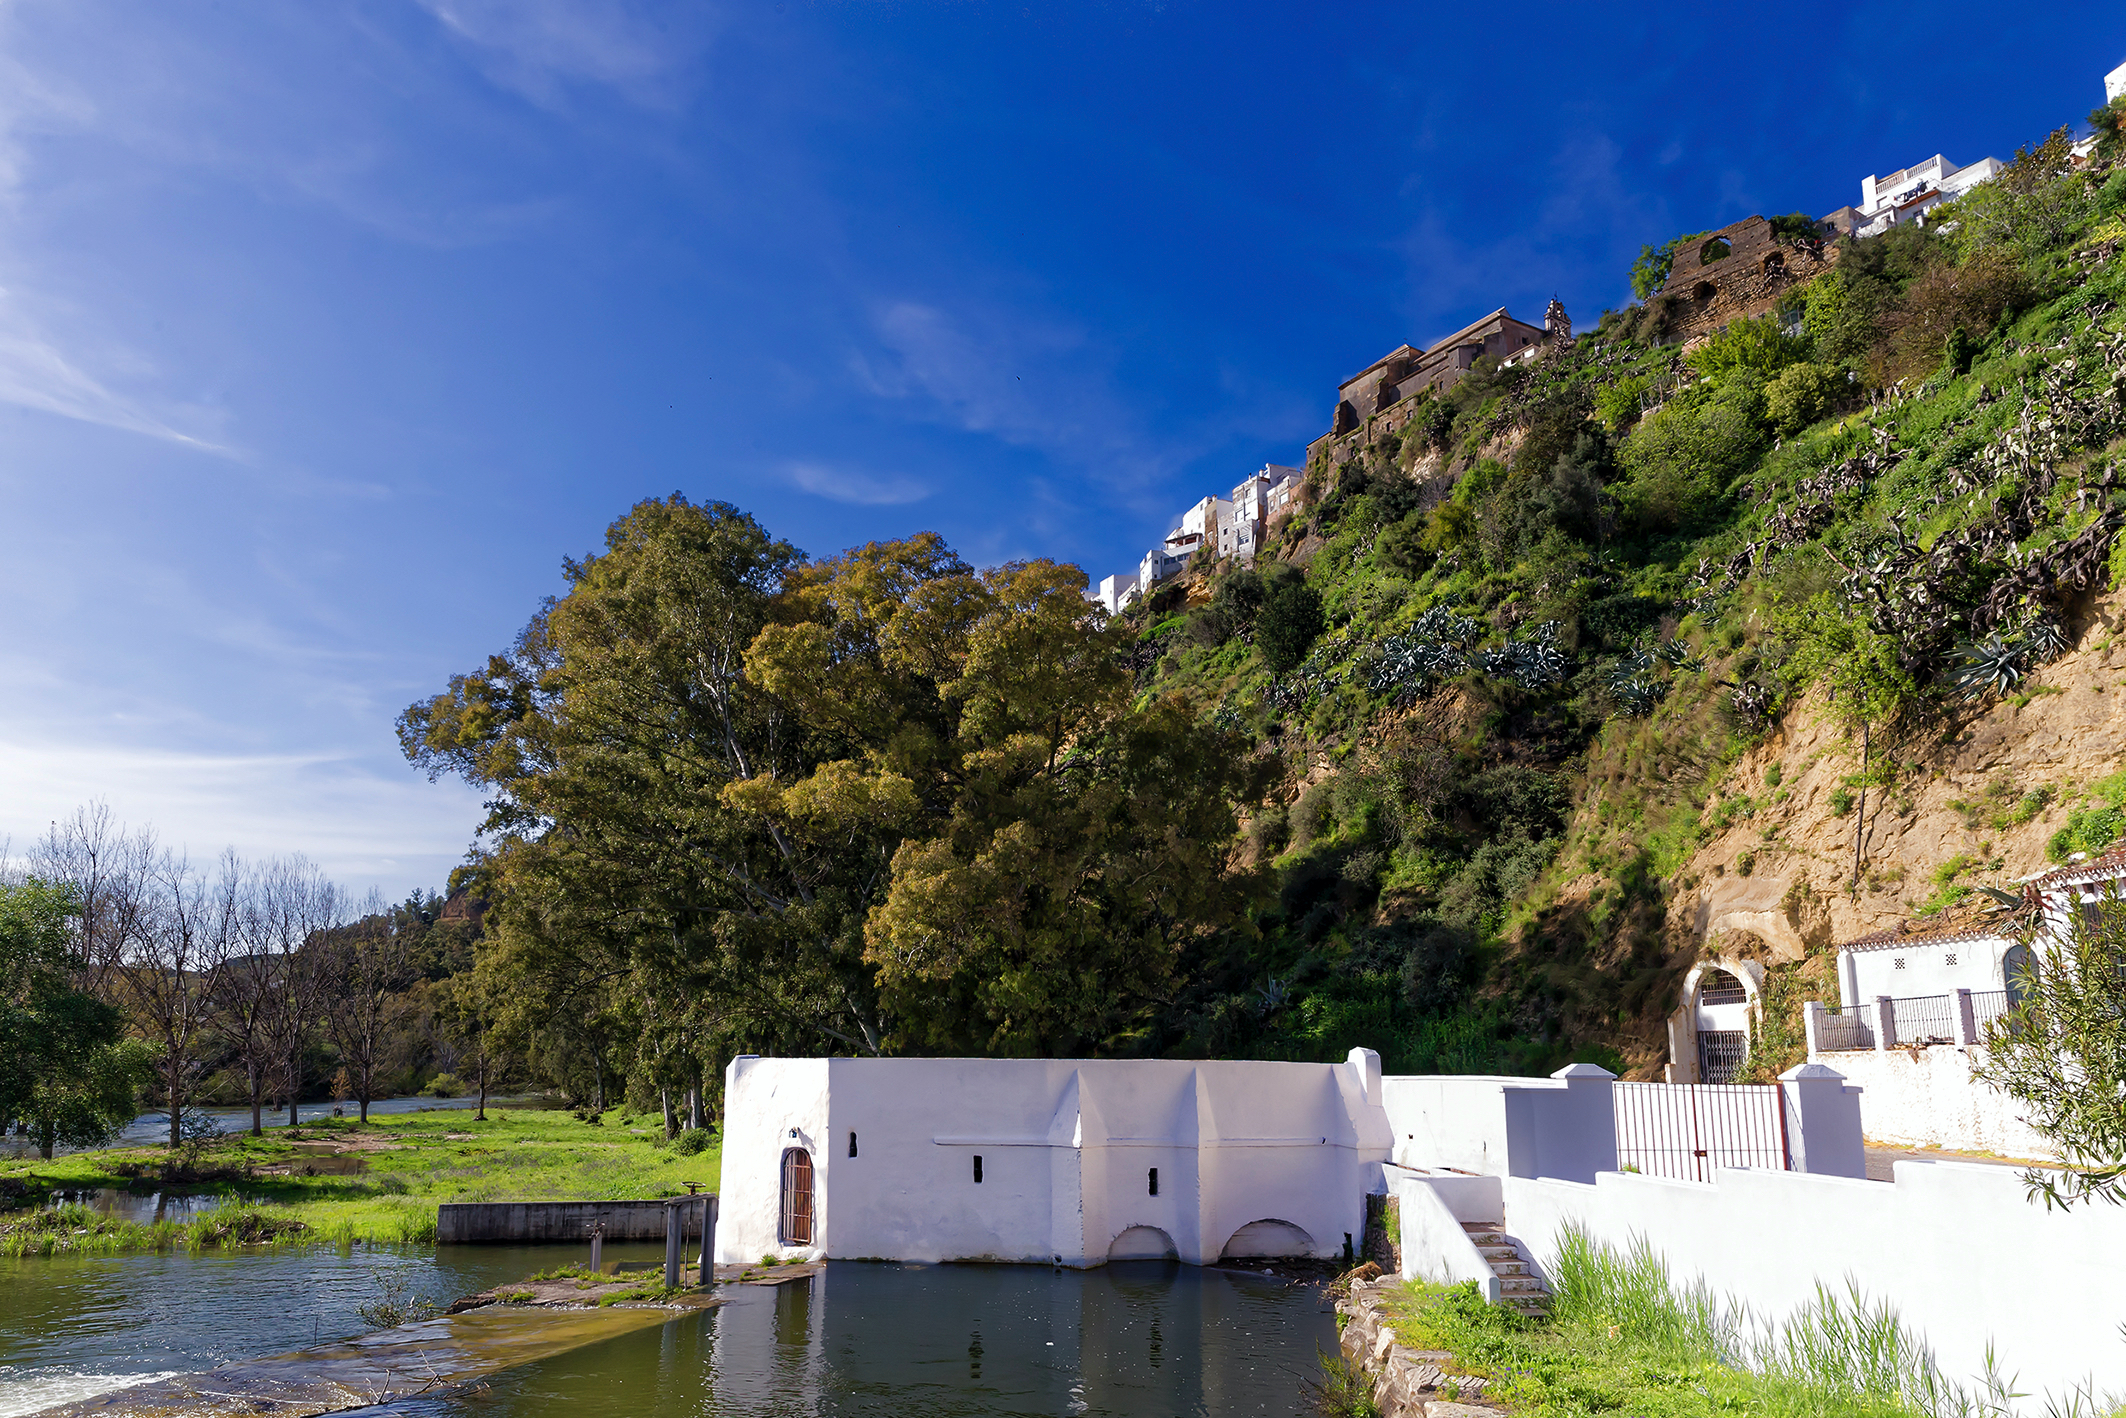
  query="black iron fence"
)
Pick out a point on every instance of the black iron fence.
point(1852, 1027)
point(1923, 1019)
point(1987, 1006)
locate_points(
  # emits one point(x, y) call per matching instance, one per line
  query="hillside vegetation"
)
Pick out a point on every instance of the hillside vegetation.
point(1532, 694)
point(1597, 634)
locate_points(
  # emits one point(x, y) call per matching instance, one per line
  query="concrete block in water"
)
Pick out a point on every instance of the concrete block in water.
point(519, 1222)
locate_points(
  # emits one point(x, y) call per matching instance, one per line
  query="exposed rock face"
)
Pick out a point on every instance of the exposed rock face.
point(1407, 1383)
point(1993, 788)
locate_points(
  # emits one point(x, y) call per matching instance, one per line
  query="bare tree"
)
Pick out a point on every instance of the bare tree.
point(296, 908)
point(245, 979)
point(108, 868)
point(165, 960)
point(365, 966)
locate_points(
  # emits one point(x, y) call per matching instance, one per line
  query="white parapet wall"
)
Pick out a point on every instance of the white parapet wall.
point(1560, 1126)
point(1926, 1097)
point(1050, 1161)
point(1959, 1249)
point(1435, 1244)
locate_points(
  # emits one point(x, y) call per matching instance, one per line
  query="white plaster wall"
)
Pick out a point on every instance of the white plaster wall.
point(1957, 1248)
point(1434, 1245)
point(1927, 969)
point(763, 1100)
point(1928, 1098)
point(1561, 1126)
point(1067, 1148)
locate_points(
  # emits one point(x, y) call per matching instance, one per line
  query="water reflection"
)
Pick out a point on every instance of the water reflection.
point(1137, 1339)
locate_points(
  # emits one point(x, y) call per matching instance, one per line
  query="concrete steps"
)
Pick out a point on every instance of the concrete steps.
point(1518, 1286)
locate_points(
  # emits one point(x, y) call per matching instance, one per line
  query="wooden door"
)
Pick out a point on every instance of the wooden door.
point(796, 1228)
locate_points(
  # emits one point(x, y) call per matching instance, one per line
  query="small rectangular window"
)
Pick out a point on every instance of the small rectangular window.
point(852, 1144)
point(1155, 1181)
point(978, 1169)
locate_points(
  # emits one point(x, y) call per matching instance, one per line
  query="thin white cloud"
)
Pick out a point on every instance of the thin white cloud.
point(392, 831)
point(845, 485)
point(540, 47)
point(36, 374)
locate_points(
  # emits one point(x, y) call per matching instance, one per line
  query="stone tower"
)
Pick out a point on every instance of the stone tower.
point(1558, 323)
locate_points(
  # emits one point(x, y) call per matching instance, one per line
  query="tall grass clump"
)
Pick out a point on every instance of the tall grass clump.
point(1840, 1354)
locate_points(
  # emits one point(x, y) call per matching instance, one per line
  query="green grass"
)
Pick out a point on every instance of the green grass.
point(414, 1163)
point(1622, 1340)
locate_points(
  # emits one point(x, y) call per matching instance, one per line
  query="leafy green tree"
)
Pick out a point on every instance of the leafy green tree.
point(1290, 622)
point(66, 1065)
point(728, 784)
point(1650, 272)
point(1801, 395)
point(1681, 458)
point(2060, 1052)
point(1760, 346)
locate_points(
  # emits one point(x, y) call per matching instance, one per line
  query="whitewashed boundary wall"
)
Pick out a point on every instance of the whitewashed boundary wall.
point(1958, 1249)
point(1926, 1097)
point(1565, 1126)
point(1435, 1245)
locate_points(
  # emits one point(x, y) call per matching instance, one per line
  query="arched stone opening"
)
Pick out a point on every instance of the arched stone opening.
point(1143, 1243)
point(1703, 292)
point(1775, 265)
point(1268, 1238)
point(1715, 250)
point(1721, 999)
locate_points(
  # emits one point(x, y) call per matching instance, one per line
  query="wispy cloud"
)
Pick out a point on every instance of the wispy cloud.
point(847, 485)
point(37, 374)
point(539, 48)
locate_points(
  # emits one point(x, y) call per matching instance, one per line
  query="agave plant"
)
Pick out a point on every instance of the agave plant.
point(1996, 665)
point(1753, 702)
point(1677, 653)
point(1534, 663)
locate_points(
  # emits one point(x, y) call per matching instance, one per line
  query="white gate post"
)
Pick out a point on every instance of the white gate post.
point(1885, 1025)
point(1811, 1014)
point(1823, 1122)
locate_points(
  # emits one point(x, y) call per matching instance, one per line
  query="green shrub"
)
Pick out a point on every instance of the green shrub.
point(444, 1085)
point(1798, 397)
point(1680, 459)
point(2089, 829)
point(691, 1142)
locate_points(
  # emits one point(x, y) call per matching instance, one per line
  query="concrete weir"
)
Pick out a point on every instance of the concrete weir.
point(521, 1222)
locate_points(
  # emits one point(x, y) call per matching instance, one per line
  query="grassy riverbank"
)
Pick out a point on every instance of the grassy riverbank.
point(336, 1181)
point(1619, 1339)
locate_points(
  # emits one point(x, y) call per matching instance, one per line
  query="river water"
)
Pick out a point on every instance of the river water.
point(155, 1127)
point(1142, 1339)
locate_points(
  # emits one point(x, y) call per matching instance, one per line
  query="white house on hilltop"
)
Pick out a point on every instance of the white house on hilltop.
point(1229, 526)
point(1069, 1162)
point(1909, 193)
point(2115, 84)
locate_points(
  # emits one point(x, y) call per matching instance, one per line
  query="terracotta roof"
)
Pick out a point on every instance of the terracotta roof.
point(1941, 934)
point(2106, 866)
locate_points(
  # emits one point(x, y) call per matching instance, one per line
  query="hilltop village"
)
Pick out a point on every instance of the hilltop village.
point(1738, 271)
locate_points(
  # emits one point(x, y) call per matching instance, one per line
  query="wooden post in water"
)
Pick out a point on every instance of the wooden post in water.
point(674, 1223)
point(597, 1234)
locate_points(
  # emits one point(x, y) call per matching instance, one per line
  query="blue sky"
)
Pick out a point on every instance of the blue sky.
point(328, 327)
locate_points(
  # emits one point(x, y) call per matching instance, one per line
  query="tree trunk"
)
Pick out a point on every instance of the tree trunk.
point(671, 1124)
point(47, 1136)
point(598, 1087)
point(479, 1063)
point(693, 1106)
point(365, 1103)
point(258, 1101)
point(176, 1085)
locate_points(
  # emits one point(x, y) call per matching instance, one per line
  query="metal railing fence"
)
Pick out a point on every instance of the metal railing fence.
point(1852, 1027)
point(1685, 1130)
point(1987, 1006)
point(1924, 1019)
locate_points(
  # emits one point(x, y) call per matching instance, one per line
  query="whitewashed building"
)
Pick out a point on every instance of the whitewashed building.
point(1069, 1162)
point(1240, 532)
point(1907, 194)
point(1117, 591)
point(2115, 85)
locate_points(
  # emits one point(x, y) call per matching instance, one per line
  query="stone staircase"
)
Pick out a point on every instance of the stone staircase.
point(1518, 1286)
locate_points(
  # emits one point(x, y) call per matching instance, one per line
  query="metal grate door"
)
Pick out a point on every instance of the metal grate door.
point(1720, 1054)
point(1685, 1130)
point(796, 1228)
